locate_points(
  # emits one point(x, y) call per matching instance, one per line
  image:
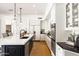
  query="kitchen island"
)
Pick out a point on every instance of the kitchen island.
point(16, 47)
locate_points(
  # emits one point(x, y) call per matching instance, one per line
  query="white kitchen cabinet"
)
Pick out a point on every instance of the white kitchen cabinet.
point(48, 41)
point(72, 15)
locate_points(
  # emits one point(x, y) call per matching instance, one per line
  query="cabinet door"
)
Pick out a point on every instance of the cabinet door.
point(27, 49)
point(53, 46)
point(14, 50)
point(72, 15)
point(30, 45)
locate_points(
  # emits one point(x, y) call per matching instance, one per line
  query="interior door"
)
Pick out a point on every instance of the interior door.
point(37, 30)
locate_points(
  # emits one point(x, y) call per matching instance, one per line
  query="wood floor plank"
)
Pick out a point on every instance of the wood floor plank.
point(40, 49)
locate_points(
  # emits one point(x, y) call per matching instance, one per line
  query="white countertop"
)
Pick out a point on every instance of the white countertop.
point(14, 41)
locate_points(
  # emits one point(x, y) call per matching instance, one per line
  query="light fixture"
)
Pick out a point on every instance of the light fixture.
point(34, 5)
point(20, 15)
point(14, 11)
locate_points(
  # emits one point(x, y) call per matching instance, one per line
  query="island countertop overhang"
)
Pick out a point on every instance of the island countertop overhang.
point(15, 41)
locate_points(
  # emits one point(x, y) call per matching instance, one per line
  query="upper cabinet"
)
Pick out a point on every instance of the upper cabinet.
point(75, 14)
point(67, 15)
point(72, 15)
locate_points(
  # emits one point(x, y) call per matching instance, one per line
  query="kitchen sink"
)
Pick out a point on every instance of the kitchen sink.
point(24, 37)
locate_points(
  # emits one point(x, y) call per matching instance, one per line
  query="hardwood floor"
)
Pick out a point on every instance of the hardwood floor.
point(40, 49)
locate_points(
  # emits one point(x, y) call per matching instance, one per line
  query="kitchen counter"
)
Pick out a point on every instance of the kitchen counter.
point(68, 47)
point(12, 46)
point(14, 40)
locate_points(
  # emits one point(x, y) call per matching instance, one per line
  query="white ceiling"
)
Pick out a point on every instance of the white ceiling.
point(27, 8)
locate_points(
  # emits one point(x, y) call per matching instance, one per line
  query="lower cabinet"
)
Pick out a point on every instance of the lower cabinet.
point(13, 50)
point(53, 46)
point(17, 50)
point(27, 49)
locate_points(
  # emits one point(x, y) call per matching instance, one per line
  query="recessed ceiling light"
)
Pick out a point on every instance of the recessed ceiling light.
point(34, 5)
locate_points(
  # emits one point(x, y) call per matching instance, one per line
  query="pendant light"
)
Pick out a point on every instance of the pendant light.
point(14, 11)
point(20, 15)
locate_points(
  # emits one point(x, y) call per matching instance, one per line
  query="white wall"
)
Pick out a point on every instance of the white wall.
point(5, 20)
point(53, 11)
point(0, 28)
point(60, 22)
point(62, 32)
point(46, 25)
point(50, 18)
point(27, 23)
